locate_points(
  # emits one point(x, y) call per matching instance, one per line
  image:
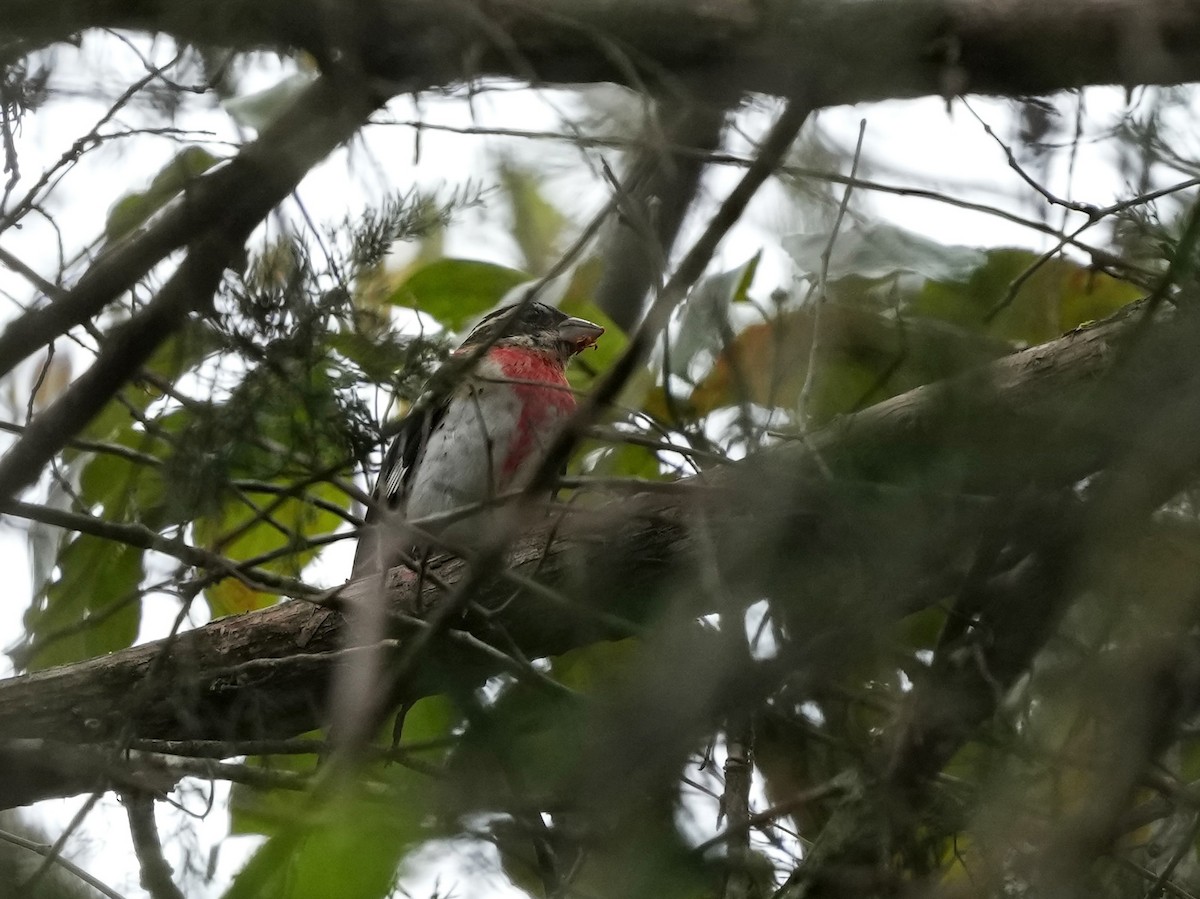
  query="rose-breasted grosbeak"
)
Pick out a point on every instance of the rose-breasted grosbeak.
point(486, 435)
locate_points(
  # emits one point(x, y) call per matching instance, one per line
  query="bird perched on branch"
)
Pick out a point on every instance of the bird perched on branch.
point(485, 434)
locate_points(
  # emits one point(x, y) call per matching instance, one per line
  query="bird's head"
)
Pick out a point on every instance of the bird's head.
point(538, 327)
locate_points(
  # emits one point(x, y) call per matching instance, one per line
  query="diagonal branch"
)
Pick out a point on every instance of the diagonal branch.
point(264, 173)
point(156, 875)
point(266, 674)
point(229, 201)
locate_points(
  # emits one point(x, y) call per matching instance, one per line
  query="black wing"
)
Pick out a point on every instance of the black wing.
point(394, 476)
point(391, 489)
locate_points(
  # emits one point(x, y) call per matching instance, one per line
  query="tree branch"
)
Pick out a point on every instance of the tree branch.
point(230, 201)
point(840, 52)
point(156, 878)
point(264, 173)
point(1085, 400)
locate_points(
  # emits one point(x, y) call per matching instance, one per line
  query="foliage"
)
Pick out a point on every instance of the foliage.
point(1004, 706)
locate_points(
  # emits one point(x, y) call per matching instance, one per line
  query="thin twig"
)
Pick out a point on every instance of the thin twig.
point(822, 285)
point(43, 850)
point(52, 855)
point(768, 815)
point(771, 152)
point(156, 874)
point(141, 537)
point(261, 175)
point(1085, 208)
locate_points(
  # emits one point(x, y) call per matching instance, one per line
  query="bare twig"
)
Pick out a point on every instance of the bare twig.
point(689, 270)
point(258, 178)
point(769, 815)
point(156, 874)
point(53, 855)
point(142, 537)
point(66, 864)
point(822, 283)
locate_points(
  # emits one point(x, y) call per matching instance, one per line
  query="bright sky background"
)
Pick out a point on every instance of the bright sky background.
point(905, 141)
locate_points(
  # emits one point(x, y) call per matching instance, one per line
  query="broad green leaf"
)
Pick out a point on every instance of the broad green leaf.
point(921, 629)
point(259, 109)
point(46, 542)
point(254, 810)
point(430, 718)
point(881, 250)
point(232, 597)
point(272, 431)
point(530, 735)
point(90, 609)
point(455, 291)
point(134, 209)
point(536, 224)
point(378, 355)
point(349, 846)
point(124, 490)
point(864, 356)
point(624, 460)
point(592, 668)
point(186, 349)
point(1058, 296)
point(241, 533)
point(274, 812)
point(705, 319)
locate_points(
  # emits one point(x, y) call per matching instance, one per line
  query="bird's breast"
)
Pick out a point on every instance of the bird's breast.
point(495, 432)
point(545, 400)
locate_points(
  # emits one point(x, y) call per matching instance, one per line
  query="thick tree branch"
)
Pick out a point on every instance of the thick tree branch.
point(228, 202)
point(1086, 400)
point(233, 205)
point(841, 52)
point(124, 352)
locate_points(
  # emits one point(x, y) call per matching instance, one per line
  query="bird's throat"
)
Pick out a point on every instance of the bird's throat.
point(546, 398)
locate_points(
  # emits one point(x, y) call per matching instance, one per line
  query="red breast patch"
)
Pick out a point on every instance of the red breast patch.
point(541, 407)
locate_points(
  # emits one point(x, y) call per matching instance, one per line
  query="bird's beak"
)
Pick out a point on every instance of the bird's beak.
point(579, 333)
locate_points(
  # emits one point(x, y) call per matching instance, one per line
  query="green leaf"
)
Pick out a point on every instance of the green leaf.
point(881, 250)
point(259, 109)
point(529, 737)
point(91, 608)
point(430, 718)
point(621, 460)
point(1055, 297)
point(863, 356)
point(455, 291)
point(123, 488)
point(349, 846)
point(578, 300)
point(181, 353)
point(590, 669)
point(254, 810)
point(705, 319)
point(379, 356)
point(133, 209)
point(241, 532)
point(536, 224)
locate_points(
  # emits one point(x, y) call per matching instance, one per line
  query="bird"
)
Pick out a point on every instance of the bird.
point(485, 434)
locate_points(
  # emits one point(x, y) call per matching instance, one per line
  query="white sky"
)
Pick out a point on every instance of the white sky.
point(923, 143)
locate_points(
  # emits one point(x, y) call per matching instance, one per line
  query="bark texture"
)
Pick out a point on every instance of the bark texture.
point(831, 51)
point(1098, 399)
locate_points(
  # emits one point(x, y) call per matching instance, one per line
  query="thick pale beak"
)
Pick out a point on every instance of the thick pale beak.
point(579, 333)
